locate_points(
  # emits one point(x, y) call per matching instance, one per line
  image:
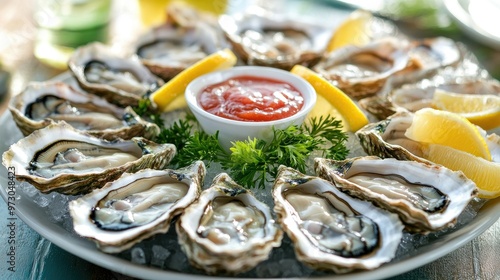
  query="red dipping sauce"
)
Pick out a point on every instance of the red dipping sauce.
point(251, 99)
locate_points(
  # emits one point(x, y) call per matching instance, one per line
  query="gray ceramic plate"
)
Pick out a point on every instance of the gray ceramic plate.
point(36, 217)
point(478, 18)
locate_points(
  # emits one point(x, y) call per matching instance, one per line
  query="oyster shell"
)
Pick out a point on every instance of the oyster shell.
point(60, 158)
point(122, 81)
point(166, 50)
point(41, 104)
point(135, 206)
point(363, 71)
point(387, 138)
point(227, 230)
point(182, 14)
point(416, 96)
point(426, 197)
point(187, 36)
point(273, 40)
point(427, 56)
point(466, 76)
point(331, 230)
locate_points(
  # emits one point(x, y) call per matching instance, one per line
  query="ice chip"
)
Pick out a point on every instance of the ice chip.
point(42, 201)
point(138, 256)
point(28, 189)
point(159, 255)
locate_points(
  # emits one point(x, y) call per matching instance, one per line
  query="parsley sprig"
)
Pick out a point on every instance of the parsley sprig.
point(329, 131)
point(253, 162)
point(143, 109)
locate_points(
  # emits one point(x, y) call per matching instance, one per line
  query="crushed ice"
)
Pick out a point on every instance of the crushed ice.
point(54, 204)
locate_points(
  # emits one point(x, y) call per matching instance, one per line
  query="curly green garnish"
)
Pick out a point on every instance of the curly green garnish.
point(254, 162)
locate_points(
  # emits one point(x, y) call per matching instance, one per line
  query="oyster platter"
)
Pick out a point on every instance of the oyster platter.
point(90, 152)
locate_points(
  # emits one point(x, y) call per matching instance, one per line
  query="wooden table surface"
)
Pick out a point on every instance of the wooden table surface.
point(38, 258)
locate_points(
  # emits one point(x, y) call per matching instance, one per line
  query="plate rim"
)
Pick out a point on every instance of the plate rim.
point(466, 23)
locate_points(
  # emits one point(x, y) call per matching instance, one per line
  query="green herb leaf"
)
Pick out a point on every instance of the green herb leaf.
point(178, 133)
point(200, 146)
point(247, 163)
point(290, 147)
point(328, 131)
point(143, 109)
point(254, 162)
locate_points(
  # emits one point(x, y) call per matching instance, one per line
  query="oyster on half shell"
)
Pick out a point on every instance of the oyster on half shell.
point(120, 80)
point(428, 56)
point(331, 230)
point(419, 95)
point(387, 138)
point(187, 36)
point(135, 206)
point(363, 71)
point(62, 159)
point(227, 230)
point(426, 197)
point(166, 50)
point(273, 40)
point(41, 104)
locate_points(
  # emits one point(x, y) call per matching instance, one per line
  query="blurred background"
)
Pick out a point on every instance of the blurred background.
point(32, 45)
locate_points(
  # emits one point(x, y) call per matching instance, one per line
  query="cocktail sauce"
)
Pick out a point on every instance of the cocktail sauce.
point(252, 99)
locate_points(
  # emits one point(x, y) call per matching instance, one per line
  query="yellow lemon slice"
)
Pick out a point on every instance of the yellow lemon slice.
point(324, 108)
point(152, 12)
point(352, 116)
point(355, 30)
point(485, 174)
point(175, 87)
point(449, 129)
point(481, 110)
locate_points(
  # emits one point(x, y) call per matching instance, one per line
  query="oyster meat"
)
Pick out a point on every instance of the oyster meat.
point(426, 197)
point(120, 80)
point(227, 230)
point(273, 40)
point(60, 158)
point(363, 71)
point(43, 103)
point(331, 230)
point(135, 206)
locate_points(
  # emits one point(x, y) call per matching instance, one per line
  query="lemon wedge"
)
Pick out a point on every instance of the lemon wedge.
point(481, 110)
point(352, 116)
point(486, 174)
point(355, 30)
point(324, 108)
point(445, 128)
point(176, 86)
